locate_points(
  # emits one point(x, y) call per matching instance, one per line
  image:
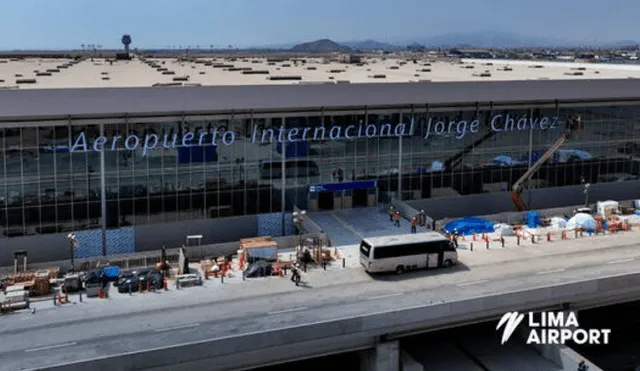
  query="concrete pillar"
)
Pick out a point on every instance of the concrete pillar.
point(347, 202)
point(337, 203)
point(384, 357)
point(371, 200)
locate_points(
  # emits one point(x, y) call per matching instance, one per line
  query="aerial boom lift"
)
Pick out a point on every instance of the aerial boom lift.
point(573, 124)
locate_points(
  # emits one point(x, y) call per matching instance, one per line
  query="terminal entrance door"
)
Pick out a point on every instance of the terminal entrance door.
point(342, 195)
point(325, 200)
point(360, 197)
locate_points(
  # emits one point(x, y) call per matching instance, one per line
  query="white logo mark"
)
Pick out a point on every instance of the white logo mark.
point(510, 321)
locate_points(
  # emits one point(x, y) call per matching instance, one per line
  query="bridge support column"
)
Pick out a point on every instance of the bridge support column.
point(384, 357)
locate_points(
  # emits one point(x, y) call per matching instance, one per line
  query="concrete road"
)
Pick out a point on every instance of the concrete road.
point(123, 324)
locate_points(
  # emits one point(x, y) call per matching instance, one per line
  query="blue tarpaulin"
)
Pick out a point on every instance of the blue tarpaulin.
point(469, 225)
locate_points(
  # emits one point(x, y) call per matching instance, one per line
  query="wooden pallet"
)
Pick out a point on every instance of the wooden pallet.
point(248, 243)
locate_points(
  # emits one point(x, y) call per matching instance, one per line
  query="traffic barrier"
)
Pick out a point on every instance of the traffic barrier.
point(60, 299)
point(165, 284)
point(139, 286)
point(149, 285)
point(278, 271)
point(100, 293)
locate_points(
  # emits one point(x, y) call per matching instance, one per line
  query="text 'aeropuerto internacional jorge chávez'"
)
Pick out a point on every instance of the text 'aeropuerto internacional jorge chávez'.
point(457, 128)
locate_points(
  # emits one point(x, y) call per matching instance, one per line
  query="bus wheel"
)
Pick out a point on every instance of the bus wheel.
point(447, 263)
point(399, 269)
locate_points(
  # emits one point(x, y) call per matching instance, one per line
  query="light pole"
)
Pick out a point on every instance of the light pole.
point(73, 244)
point(586, 193)
point(298, 219)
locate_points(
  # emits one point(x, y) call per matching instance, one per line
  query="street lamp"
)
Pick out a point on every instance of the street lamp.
point(298, 219)
point(73, 244)
point(586, 194)
point(585, 190)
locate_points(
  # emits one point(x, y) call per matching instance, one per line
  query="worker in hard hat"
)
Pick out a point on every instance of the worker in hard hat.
point(582, 365)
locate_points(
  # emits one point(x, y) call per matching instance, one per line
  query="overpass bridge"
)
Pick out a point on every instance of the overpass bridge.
point(236, 326)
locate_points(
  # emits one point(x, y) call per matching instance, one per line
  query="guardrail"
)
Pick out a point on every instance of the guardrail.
point(361, 331)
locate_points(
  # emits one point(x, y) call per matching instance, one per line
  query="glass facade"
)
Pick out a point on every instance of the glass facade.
point(51, 184)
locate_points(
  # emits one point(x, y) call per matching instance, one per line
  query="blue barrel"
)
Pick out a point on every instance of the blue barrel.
point(111, 272)
point(533, 219)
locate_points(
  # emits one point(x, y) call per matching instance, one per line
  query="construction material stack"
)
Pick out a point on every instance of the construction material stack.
point(36, 282)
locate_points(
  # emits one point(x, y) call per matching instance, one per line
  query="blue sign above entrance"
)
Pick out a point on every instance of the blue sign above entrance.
point(343, 186)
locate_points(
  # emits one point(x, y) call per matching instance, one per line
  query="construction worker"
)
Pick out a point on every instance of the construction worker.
point(582, 366)
point(391, 213)
point(397, 219)
point(295, 274)
point(455, 238)
point(414, 224)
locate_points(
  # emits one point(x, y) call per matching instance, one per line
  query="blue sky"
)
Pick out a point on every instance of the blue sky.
point(55, 24)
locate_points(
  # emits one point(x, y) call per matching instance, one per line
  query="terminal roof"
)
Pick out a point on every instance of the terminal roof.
point(100, 73)
point(171, 101)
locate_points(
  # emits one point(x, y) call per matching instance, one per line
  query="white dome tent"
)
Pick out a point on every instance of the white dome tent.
point(583, 221)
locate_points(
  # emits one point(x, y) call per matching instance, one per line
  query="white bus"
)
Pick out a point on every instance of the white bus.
point(407, 252)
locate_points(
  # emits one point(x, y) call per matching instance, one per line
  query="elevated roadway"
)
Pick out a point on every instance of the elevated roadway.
point(242, 325)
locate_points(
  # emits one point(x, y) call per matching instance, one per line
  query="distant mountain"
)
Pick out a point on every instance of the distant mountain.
point(370, 45)
point(622, 44)
point(486, 39)
point(275, 46)
point(321, 46)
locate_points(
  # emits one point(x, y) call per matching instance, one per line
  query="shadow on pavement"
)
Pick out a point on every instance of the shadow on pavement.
point(418, 274)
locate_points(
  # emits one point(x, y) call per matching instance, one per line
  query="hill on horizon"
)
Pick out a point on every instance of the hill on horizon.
point(321, 46)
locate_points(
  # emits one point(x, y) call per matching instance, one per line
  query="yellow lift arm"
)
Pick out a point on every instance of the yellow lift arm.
point(516, 190)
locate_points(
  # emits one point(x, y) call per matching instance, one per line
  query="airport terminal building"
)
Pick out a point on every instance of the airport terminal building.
point(132, 167)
